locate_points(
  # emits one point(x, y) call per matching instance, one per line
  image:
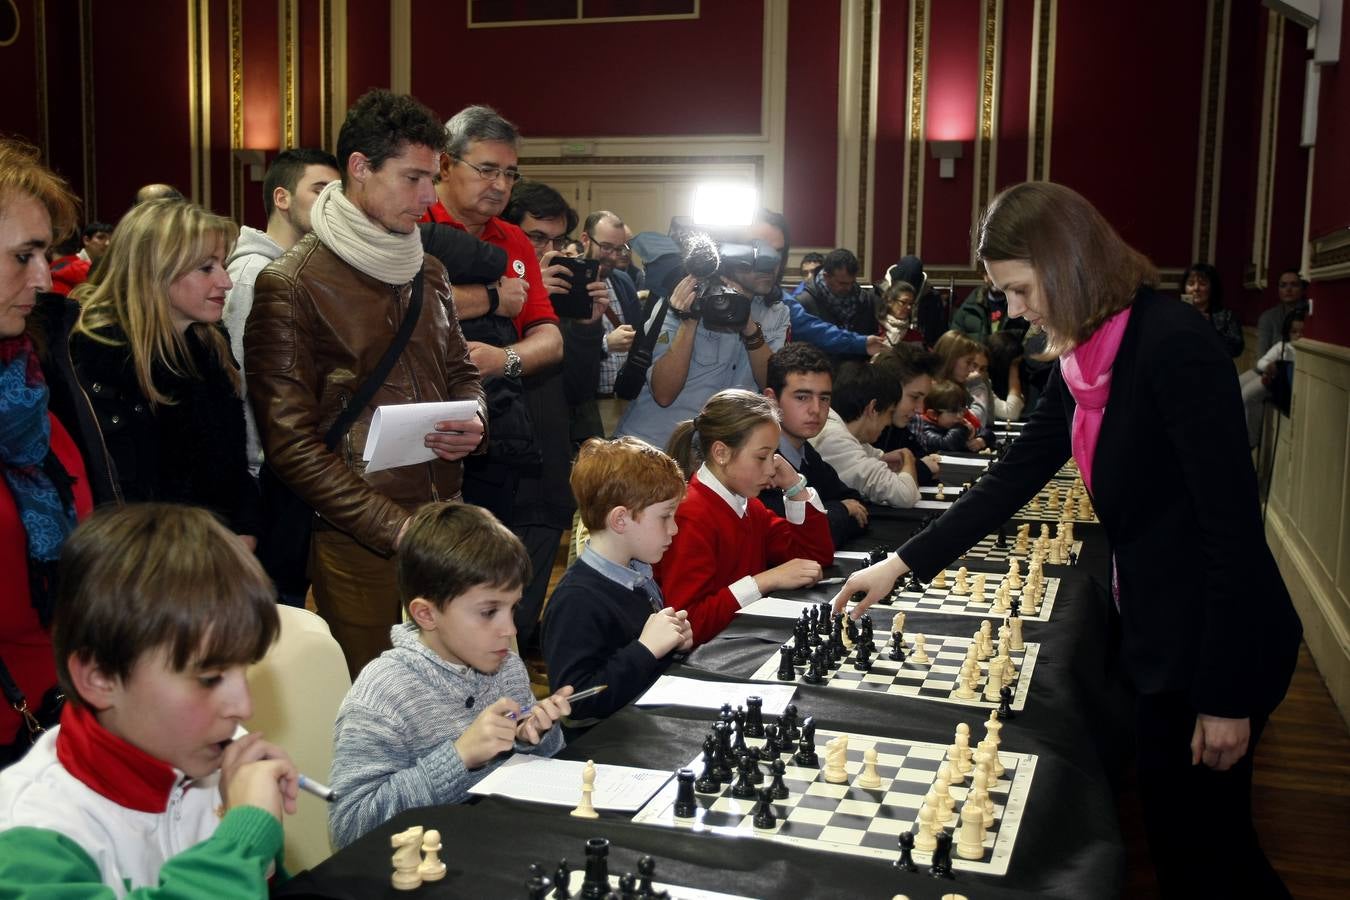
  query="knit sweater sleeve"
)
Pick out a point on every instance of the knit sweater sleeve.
point(232, 862)
point(861, 467)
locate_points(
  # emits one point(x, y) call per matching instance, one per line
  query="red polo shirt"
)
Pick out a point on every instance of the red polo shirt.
point(520, 263)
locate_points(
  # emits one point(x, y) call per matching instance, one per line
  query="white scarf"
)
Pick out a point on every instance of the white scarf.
point(361, 243)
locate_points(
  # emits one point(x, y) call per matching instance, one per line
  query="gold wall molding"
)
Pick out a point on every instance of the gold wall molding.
point(333, 70)
point(199, 100)
point(1257, 267)
point(856, 126)
point(288, 33)
point(1209, 162)
point(400, 46)
point(1330, 256)
point(986, 134)
point(911, 205)
point(1041, 106)
point(236, 16)
point(44, 138)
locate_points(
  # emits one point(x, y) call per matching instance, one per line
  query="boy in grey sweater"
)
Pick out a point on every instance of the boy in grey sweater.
point(429, 718)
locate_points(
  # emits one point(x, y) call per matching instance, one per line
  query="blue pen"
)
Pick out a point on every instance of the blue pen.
point(580, 695)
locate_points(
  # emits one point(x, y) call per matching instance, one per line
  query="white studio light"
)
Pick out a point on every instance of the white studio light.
point(725, 205)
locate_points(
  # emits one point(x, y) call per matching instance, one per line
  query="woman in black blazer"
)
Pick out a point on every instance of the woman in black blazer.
point(1144, 396)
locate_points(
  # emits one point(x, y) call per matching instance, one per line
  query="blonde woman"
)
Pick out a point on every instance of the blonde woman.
point(149, 372)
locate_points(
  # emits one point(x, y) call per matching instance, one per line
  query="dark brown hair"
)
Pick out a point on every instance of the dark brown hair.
point(626, 472)
point(1087, 273)
point(947, 396)
point(149, 576)
point(450, 548)
point(729, 416)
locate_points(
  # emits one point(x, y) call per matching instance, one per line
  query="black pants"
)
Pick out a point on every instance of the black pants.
point(1198, 821)
point(541, 542)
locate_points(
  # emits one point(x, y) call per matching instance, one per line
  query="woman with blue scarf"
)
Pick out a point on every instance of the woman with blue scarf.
point(43, 489)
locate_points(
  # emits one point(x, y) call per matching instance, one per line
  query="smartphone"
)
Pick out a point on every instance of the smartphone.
point(576, 303)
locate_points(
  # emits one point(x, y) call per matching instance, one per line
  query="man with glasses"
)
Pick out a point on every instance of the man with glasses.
point(605, 237)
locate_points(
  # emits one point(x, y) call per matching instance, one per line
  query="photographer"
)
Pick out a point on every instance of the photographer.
point(605, 238)
point(719, 334)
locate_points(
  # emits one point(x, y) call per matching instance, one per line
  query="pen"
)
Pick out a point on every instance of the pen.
point(317, 788)
point(579, 695)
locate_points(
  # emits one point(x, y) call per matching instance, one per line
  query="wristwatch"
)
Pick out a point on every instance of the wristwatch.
point(514, 367)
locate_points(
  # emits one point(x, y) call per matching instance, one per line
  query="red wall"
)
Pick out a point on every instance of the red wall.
point(952, 114)
point(688, 76)
point(810, 158)
point(892, 131)
point(368, 47)
point(1014, 96)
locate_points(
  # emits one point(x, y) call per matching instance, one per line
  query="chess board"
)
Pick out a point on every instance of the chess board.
point(935, 680)
point(987, 550)
point(1039, 510)
point(842, 818)
point(944, 602)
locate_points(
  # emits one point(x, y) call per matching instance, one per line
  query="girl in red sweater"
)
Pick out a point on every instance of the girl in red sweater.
point(730, 549)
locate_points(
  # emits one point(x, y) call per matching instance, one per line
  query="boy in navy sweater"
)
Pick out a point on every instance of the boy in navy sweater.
point(607, 622)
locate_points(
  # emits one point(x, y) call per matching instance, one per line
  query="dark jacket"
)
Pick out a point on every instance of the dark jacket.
point(864, 318)
point(189, 451)
point(317, 329)
point(583, 351)
point(833, 492)
point(974, 317)
point(893, 438)
point(1203, 609)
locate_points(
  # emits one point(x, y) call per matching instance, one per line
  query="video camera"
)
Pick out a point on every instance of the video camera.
point(710, 257)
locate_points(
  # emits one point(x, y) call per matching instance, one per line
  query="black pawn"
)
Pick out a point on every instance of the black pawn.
point(754, 717)
point(596, 885)
point(628, 886)
point(863, 662)
point(646, 869)
point(743, 787)
point(942, 857)
point(738, 746)
point(905, 862)
point(778, 787)
point(1014, 608)
point(865, 628)
point(786, 671)
point(764, 814)
point(915, 585)
point(1005, 710)
point(897, 647)
point(725, 714)
point(562, 877)
point(537, 886)
point(685, 804)
point(707, 780)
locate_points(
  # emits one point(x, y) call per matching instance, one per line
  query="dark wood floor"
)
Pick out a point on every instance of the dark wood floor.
point(1301, 795)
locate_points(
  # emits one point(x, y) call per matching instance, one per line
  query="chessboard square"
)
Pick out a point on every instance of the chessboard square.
point(834, 792)
point(810, 800)
point(853, 807)
point(849, 837)
point(902, 803)
point(733, 806)
point(852, 823)
point(875, 840)
point(717, 819)
point(876, 687)
point(875, 677)
point(808, 816)
point(800, 829)
point(919, 754)
point(916, 773)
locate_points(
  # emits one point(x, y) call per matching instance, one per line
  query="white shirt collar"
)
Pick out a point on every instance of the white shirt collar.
point(734, 500)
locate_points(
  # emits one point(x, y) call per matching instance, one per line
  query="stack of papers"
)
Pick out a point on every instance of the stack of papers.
point(671, 690)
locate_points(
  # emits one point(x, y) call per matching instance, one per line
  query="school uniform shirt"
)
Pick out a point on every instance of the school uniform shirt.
point(726, 539)
point(861, 467)
point(719, 361)
point(85, 813)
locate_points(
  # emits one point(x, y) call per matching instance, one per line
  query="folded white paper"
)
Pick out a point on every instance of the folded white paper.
point(671, 690)
point(558, 783)
point(774, 608)
point(398, 432)
point(973, 462)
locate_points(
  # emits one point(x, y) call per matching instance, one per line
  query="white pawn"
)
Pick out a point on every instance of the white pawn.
point(966, 679)
point(941, 491)
point(1014, 579)
point(994, 681)
point(919, 654)
point(941, 815)
point(926, 839)
point(970, 836)
point(942, 785)
point(979, 792)
point(431, 869)
point(979, 646)
point(986, 638)
point(586, 808)
point(953, 764)
point(869, 778)
point(963, 744)
point(1015, 622)
point(962, 586)
point(407, 859)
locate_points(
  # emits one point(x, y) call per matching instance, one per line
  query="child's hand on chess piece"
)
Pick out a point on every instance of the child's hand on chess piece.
point(666, 631)
point(256, 773)
point(536, 722)
point(493, 732)
point(793, 574)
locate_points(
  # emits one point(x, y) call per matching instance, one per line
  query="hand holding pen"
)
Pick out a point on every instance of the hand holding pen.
point(534, 721)
point(245, 747)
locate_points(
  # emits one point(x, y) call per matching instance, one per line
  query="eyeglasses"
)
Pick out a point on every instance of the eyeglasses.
point(539, 239)
point(612, 249)
point(491, 172)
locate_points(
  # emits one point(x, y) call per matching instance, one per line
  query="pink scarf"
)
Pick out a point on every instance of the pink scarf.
point(1087, 371)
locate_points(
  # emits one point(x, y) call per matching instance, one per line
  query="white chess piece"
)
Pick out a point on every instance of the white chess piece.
point(942, 786)
point(836, 751)
point(953, 764)
point(966, 679)
point(993, 728)
point(994, 681)
point(869, 778)
point(919, 654)
point(970, 836)
point(941, 491)
point(940, 579)
point(1016, 623)
point(962, 586)
point(977, 587)
point(407, 859)
point(926, 839)
point(586, 808)
point(963, 744)
point(431, 869)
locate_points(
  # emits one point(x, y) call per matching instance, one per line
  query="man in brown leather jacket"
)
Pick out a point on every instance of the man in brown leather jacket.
point(323, 315)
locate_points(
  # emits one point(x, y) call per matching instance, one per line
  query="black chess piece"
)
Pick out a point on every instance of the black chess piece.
point(685, 803)
point(1014, 608)
point(942, 856)
point(562, 877)
point(722, 752)
point(851, 628)
point(596, 884)
point(806, 747)
point(897, 647)
point(738, 746)
point(1005, 710)
point(823, 624)
point(536, 888)
point(801, 641)
point(813, 675)
point(646, 870)
point(1001, 538)
point(877, 555)
point(771, 748)
point(1073, 558)
point(867, 635)
point(707, 780)
point(787, 724)
point(786, 670)
point(778, 786)
point(628, 886)
point(863, 661)
point(743, 788)
point(764, 813)
point(905, 862)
